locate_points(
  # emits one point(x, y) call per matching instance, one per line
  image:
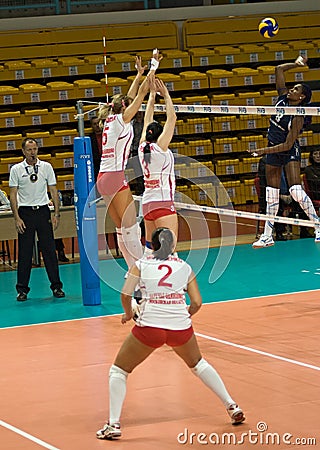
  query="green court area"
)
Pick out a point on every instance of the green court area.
point(223, 274)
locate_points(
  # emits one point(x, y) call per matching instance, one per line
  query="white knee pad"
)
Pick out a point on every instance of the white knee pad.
point(116, 372)
point(200, 367)
point(132, 240)
point(297, 193)
point(272, 195)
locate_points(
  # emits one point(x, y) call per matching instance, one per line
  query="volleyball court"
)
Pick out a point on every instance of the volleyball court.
point(265, 348)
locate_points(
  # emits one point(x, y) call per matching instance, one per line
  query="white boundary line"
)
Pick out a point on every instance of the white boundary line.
point(260, 352)
point(28, 436)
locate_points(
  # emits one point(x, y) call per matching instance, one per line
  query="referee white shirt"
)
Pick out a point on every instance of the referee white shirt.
point(32, 193)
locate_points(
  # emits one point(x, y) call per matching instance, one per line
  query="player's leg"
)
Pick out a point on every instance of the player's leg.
point(299, 195)
point(122, 211)
point(159, 218)
point(273, 174)
point(132, 353)
point(191, 355)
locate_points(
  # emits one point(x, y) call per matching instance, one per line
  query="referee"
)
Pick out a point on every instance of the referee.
point(29, 182)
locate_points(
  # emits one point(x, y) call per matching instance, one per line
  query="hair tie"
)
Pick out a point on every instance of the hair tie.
point(123, 103)
point(111, 104)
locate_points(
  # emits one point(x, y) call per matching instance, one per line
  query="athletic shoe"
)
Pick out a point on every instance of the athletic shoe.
point(109, 432)
point(22, 297)
point(263, 241)
point(58, 293)
point(236, 414)
point(317, 233)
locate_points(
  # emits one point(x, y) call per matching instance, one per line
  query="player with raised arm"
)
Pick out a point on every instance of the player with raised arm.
point(283, 151)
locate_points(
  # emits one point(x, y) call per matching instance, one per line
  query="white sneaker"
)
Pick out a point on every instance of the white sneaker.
point(236, 414)
point(263, 241)
point(317, 235)
point(109, 432)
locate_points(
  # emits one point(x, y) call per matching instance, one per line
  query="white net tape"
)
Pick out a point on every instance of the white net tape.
point(229, 109)
point(238, 110)
point(255, 110)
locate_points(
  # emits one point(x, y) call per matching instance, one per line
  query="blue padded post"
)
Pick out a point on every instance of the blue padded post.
point(86, 221)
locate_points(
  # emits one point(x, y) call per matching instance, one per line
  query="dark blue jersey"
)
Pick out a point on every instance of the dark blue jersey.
point(280, 124)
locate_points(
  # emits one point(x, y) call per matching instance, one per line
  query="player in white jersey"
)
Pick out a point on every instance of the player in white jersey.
point(116, 141)
point(165, 318)
point(157, 165)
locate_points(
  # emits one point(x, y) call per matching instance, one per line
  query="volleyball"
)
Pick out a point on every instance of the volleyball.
point(268, 27)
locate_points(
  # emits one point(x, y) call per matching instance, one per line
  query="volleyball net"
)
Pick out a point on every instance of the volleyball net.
point(219, 191)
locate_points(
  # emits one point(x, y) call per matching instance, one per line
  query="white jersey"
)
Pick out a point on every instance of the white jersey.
point(32, 193)
point(116, 142)
point(163, 285)
point(158, 175)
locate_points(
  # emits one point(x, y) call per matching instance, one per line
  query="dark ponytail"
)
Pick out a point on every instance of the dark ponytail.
point(162, 243)
point(147, 152)
point(153, 131)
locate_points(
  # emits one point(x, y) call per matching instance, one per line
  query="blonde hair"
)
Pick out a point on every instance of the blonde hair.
point(117, 103)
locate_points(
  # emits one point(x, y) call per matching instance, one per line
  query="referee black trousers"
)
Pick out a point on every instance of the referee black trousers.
point(36, 220)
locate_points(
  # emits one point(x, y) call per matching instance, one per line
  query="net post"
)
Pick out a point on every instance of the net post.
point(80, 118)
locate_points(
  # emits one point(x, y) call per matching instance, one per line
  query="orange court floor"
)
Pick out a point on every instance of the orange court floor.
point(54, 370)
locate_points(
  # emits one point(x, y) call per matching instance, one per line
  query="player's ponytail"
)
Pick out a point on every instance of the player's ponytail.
point(154, 129)
point(162, 243)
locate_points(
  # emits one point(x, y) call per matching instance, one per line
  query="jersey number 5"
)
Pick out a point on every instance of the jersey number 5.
point(162, 281)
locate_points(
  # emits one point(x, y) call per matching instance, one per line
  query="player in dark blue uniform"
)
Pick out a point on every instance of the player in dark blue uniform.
point(283, 151)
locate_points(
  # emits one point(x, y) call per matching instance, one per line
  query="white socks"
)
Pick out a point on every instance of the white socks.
point(272, 198)
point(130, 244)
point(210, 377)
point(300, 196)
point(118, 387)
point(117, 392)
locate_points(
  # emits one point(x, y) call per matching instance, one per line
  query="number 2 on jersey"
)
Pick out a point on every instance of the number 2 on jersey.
point(162, 281)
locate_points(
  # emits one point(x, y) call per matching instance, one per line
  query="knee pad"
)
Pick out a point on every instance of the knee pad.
point(132, 241)
point(116, 372)
point(200, 367)
point(297, 193)
point(132, 233)
point(272, 195)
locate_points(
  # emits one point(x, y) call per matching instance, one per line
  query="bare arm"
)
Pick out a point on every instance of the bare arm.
point(55, 201)
point(134, 107)
point(168, 129)
point(148, 117)
point(127, 291)
point(20, 225)
point(280, 78)
point(194, 294)
point(132, 92)
point(297, 125)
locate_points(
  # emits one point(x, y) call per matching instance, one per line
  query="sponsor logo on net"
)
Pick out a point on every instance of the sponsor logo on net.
point(262, 436)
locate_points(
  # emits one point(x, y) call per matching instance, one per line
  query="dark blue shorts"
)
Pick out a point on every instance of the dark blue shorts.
point(283, 158)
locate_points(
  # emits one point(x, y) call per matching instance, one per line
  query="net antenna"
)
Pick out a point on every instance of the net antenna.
point(105, 65)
